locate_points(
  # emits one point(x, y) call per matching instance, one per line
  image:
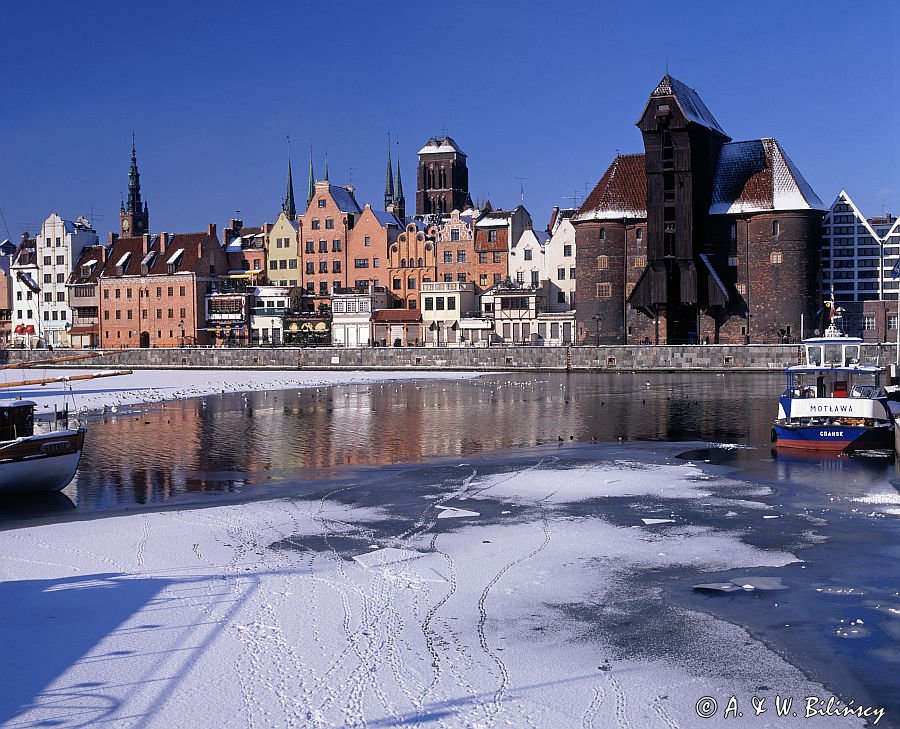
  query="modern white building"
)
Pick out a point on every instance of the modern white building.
point(351, 315)
point(859, 253)
point(548, 256)
point(443, 305)
point(57, 246)
point(271, 305)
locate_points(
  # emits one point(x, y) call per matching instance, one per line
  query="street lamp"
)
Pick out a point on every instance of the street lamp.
point(181, 326)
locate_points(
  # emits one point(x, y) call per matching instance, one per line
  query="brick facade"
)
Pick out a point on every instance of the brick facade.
point(367, 248)
point(411, 262)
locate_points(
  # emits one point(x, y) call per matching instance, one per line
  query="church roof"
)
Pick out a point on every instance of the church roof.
point(688, 100)
point(621, 192)
point(441, 145)
point(757, 176)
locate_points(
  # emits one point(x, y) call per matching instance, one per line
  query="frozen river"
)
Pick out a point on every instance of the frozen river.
point(506, 551)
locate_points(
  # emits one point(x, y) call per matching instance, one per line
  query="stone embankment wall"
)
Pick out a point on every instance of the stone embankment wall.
point(702, 358)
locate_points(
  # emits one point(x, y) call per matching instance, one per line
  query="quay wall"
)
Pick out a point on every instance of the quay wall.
point(700, 358)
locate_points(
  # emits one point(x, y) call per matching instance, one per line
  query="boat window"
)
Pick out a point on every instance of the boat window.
point(851, 354)
point(833, 354)
point(814, 355)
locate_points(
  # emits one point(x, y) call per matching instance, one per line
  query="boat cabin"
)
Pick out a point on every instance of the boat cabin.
point(843, 352)
point(16, 419)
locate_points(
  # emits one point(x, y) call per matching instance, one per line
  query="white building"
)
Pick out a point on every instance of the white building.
point(271, 305)
point(443, 305)
point(351, 315)
point(528, 258)
point(26, 295)
point(548, 256)
point(858, 253)
point(57, 246)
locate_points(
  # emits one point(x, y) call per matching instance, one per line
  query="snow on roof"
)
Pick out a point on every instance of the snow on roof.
point(757, 176)
point(621, 192)
point(441, 145)
point(124, 259)
point(495, 217)
point(344, 199)
point(689, 100)
point(92, 262)
point(235, 245)
point(175, 256)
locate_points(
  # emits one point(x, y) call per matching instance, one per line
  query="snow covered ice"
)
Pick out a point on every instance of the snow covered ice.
point(325, 612)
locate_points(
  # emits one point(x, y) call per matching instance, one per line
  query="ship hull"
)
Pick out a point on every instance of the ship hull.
point(45, 462)
point(834, 438)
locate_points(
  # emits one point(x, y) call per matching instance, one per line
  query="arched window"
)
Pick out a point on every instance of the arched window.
point(776, 228)
point(421, 264)
point(402, 263)
point(602, 233)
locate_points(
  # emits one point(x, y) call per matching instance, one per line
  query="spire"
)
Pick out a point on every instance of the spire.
point(134, 183)
point(389, 179)
point(399, 200)
point(398, 196)
point(311, 192)
point(288, 205)
point(326, 166)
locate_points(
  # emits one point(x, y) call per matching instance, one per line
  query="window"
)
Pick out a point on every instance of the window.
point(106, 314)
point(775, 256)
point(60, 278)
point(323, 266)
point(561, 274)
point(181, 290)
point(412, 303)
point(58, 242)
point(118, 293)
point(48, 277)
point(361, 263)
point(48, 297)
point(498, 277)
point(282, 264)
point(733, 261)
point(776, 228)
point(128, 314)
point(732, 233)
point(368, 241)
point(439, 303)
point(310, 267)
point(602, 233)
point(292, 263)
point(520, 277)
point(639, 234)
point(492, 236)
point(448, 256)
point(892, 323)
point(105, 293)
point(182, 313)
point(482, 280)
point(454, 234)
point(321, 202)
point(396, 284)
point(329, 223)
point(60, 260)
point(310, 287)
point(48, 243)
point(278, 242)
point(48, 260)
point(159, 313)
point(448, 277)
point(118, 314)
point(482, 257)
point(602, 264)
point(402, 263)
point(640, 261)
point(535, 278)
point(451, 303)
point(742, 289)
point(315, 224)
point(461, 277)
point(171, 313)
point(335, 246)
point(528, 254)
point(323, 246)
point(60, 295)
point(429, 303)
point(496, 257)
point(374, 263)
point(335, 266)
point(323, 287)
point(604, 291)
point(572, 273)
point(567, 250)
point(310, 247)
point(410, 283)
point(869, 323)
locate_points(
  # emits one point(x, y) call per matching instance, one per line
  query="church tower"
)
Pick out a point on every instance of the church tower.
point(442, 178)
point(134, 216)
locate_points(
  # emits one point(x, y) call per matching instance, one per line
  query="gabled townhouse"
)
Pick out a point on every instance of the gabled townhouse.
point(367, 248)
point(412, 261)
point(26, 294)
point(455, 240)
point(84, 296)
point(495, 233)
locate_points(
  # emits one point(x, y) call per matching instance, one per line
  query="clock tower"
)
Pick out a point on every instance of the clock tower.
point(134, 217)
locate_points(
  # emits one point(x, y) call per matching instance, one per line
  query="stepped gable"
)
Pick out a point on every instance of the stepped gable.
point(757, 176)
point(621, 192)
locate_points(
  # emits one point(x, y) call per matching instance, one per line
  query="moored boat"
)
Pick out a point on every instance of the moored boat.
point(833, 402)
point(30, 461)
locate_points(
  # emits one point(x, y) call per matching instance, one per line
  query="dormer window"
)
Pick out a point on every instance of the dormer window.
point(321, 202)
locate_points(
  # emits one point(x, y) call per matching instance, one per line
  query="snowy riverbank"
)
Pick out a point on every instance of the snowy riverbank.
point(151, 386)
point(507, 599)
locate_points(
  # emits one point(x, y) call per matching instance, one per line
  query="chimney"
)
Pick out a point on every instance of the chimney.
point(145, 244)
point(163, 242)
point(211, 229)
point(113, 237)
point(553, 218)
point(236, 225)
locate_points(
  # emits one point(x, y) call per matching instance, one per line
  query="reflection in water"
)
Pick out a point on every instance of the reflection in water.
point(232, 442)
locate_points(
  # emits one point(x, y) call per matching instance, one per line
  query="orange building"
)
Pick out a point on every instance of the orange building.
point(324, 230)
point(367, 248)
point(412, 261)
point(153, 289)
point(456, 256)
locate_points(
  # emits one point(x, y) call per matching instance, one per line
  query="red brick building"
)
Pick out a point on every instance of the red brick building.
point(456, 256)
point(367, 248)
point(699, 238)
point(84, 296)
point(324, 232)
point(495, 233)
point(411, 262)
point(153, 289)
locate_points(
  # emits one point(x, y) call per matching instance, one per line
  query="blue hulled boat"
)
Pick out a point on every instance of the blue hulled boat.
point(832, 402)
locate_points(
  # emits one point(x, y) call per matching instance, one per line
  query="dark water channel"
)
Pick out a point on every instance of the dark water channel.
point(840, 515)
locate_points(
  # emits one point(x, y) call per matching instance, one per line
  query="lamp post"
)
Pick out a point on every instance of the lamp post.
point(597, 318)
point(181, 326)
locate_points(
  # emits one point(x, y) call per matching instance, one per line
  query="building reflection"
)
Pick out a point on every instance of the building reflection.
point(232, 441)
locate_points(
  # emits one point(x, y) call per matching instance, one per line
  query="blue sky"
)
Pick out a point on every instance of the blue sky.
point(535, 90)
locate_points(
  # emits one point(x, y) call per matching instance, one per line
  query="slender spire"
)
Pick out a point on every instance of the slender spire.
point(311, 192)
point(398, 196)
point(288, 205)
point(389, 179)
point(399, 200)
point(134, 183)
point(326, 165)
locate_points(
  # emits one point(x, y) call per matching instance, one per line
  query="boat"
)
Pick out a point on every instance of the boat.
point(832, 401)
point(36, 461)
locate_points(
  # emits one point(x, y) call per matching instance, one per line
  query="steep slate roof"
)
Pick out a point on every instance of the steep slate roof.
point(688, 100)
point(121, 248)
point(757, 176)
point(385, 218)
point(621, 192)
point(158, 260)
point(344, 199)
point(441, 145)
point(91, 256)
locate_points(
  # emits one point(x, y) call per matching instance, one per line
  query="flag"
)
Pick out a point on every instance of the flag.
point(895, 271)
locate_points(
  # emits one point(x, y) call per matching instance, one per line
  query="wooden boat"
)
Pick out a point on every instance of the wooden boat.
point(31, 461)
